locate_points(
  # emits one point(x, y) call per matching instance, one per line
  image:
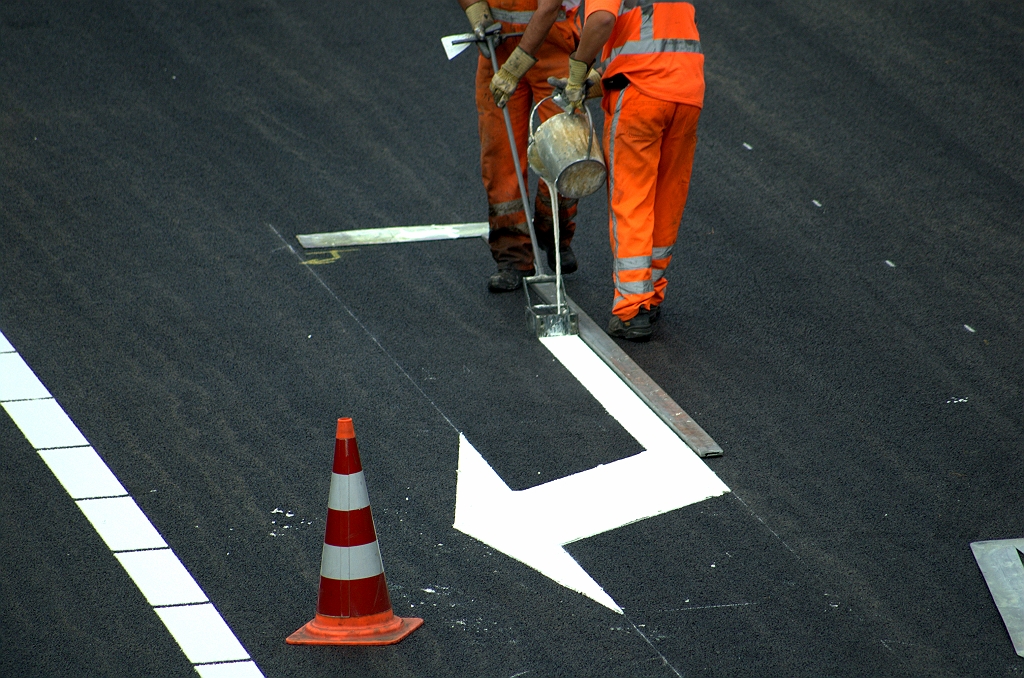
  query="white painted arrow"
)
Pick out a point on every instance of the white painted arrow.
point(532, 525)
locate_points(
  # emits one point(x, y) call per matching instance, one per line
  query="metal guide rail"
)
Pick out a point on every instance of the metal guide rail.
point(646, 388)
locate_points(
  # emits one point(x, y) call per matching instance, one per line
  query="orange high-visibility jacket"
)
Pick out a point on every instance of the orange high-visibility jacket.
point(656, 46)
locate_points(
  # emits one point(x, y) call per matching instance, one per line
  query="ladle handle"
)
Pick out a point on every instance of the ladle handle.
point(533, 112)
point(590, 124)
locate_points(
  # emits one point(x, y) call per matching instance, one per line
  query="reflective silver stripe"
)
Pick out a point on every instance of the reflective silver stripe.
point(647, 22)
point(351, 562)
point(657, 273)
point(641, 287)
point(632, 263)
point(611, 167)
point(652, 46)
point(348, 492)
point(503, 208)
point(662, 252)
point(510, 17)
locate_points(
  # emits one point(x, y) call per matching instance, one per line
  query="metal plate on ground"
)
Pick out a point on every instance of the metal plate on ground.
point(1001, 565)
point(653, 395)
point(394, 234)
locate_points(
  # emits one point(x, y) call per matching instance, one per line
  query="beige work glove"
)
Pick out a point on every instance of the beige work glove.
point(576, 85)
point(480, 19)
point(505, 81)
point(583, 82)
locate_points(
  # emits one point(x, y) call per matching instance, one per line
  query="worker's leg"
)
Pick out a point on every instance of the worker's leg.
point(678, 144)
point(633, 129)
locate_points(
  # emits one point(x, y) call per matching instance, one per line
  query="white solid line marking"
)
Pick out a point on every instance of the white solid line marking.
point(748, 147)
point(161, 577)
point(121, 524)
point(816, 203)
point(82, 473)
point(616, 397)
point(201, 633)
point(45, 424)
point(17, 382)
point(969, 329)
point(890, 264)
point(232, 670)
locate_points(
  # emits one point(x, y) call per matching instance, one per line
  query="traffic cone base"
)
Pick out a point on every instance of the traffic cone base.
point(383, 628)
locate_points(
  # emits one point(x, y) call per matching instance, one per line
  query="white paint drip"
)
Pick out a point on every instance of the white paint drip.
point(816, 203)
point(890, 264)
point(748, 146)
point(200, 631)
point(969, 329)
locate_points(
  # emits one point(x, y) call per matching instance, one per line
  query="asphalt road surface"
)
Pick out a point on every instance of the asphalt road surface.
point(845, 317)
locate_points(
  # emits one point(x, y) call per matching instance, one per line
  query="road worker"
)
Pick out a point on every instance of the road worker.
point(653, 82)
point(550, 32)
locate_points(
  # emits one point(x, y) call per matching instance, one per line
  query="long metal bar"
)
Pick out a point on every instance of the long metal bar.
point(646, 388)
point(393, 234)
point(538, 264)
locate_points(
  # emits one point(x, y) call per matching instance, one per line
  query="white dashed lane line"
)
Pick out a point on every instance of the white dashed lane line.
point(179, 601)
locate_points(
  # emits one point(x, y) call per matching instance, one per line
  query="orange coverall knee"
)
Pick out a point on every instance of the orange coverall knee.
point(509, 237)
point(649, 146)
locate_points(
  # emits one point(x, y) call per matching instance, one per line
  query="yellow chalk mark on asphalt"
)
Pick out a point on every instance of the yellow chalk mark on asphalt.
point(332, 256)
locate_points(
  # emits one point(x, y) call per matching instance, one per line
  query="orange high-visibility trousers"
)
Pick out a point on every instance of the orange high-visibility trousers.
point(509, 237)
point(649, 146)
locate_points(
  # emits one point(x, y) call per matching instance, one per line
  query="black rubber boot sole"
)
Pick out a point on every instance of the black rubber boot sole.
point(638, 328)
point(506, 280)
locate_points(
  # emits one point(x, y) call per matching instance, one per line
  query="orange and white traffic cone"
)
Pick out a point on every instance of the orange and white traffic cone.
point(353, 607)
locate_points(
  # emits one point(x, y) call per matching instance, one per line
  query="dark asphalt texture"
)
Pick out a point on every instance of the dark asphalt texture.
point(157, 160)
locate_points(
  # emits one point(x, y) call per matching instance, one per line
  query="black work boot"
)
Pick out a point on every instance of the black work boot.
point(506, 280)
point(637, 328)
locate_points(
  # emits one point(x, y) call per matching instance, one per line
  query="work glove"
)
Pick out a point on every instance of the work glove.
point(480, 19)
point(505, 81)
point(583, 83)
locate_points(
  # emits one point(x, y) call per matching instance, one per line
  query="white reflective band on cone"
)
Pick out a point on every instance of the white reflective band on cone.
point(348, 492)
point(351, 562)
